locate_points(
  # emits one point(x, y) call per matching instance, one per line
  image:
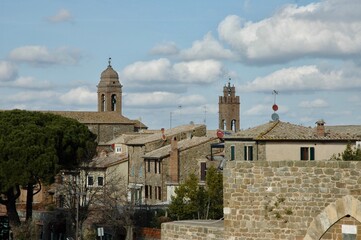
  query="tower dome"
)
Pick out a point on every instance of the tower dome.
point(109, 91)
point(109, 76)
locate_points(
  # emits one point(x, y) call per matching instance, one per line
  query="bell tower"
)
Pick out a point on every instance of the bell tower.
point(229, 109)
point(109, 91)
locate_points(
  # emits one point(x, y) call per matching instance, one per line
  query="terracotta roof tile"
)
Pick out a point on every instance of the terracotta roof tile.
point(182, 145)
point(278, 130)
point(95, 117)
point(168, 132)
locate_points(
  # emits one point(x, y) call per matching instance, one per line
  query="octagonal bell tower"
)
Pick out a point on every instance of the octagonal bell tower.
point(109, 91)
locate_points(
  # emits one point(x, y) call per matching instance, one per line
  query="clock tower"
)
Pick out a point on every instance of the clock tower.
point(229, 109)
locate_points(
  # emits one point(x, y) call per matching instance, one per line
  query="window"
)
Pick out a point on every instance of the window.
point(159, 167)
point(100, 181)
point(203, 171)
point(248, 153)
point(148, 165)
point(146, 191)
point(150, 192)
point(90, 181)
point(233, 153)
point(307, 153)
point(118, 149)
point(155, 166)
point(159, 193)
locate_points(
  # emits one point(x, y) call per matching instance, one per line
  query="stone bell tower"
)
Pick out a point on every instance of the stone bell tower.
point(109, 91)
point(229, 109)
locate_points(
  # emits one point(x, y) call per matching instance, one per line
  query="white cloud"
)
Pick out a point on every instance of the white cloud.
point(206, 71)
point(207, 48)
point(305, 78)
point(79, 96)
point(150, 99)
point(162, 70)
point(40, 55)
point(325, 29)
point(31, 83)
point(167, 48)
point(8, 71)
point(30, 96)
point(155, 70)
point(162, 99)
point(63, 15)
point(317, 103)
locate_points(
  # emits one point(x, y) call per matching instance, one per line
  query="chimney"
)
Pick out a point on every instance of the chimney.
point(174, 161)
point(320, 129)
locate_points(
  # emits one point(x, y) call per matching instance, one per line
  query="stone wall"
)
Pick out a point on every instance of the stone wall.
point(107, 132)
point(200, 230)
point(289, 199)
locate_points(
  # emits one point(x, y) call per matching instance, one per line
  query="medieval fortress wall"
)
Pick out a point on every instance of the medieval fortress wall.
point(284, 200)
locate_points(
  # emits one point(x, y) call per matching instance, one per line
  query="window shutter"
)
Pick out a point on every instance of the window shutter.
point(312, 153)
point(250, 153)
point(245, 152)
point(203, 171)
point(232, 153)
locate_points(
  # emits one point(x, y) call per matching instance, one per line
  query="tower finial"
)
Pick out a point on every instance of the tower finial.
point(109, 62)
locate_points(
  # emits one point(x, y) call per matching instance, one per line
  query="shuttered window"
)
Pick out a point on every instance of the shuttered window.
point(233, 153)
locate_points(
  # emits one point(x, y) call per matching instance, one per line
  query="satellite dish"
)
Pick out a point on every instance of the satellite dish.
point(275, 117)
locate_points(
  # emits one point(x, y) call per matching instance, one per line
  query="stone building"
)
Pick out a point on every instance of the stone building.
point(229, 109)
point(287, 198)
point(140, 146)
point(168, 166)
point(108, 122)
point(277, 140)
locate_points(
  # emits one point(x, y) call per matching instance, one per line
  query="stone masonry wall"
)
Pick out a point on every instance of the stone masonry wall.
point(290, 199)
point(199, 230)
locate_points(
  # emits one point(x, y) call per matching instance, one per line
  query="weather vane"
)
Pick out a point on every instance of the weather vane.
point(274, 116)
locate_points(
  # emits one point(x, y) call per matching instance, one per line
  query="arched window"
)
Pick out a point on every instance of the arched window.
point(102, 106)
point(233, 125)
point(114, 102)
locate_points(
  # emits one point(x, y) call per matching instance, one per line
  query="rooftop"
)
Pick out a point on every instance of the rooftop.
point(278, 130)
point(143, 139)
point(182, 145)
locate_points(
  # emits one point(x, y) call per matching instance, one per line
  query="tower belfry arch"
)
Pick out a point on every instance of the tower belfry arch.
point(109, 91)
point(229, 109)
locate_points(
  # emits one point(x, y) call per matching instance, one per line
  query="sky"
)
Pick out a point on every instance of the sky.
point(174, 57)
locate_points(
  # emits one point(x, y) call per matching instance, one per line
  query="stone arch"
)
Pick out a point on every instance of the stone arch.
point(347, 205)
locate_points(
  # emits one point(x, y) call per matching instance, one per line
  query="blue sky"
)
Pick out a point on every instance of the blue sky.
point(174, 57)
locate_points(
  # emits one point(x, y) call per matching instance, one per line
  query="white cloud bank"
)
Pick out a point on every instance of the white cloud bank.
point(8, 71)
point(40, 55)
point(162, 70)
point(79, 96)
point(162, 99)
point(329, 28)
point(306, 78)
